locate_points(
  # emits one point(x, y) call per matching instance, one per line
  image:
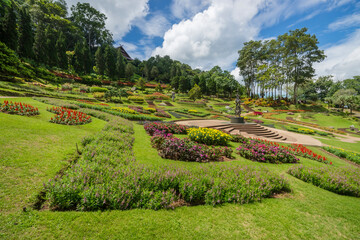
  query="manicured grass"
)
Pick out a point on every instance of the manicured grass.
point(33, 150)
point(308, 212)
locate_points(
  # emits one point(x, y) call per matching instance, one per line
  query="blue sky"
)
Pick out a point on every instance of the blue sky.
point(205, 33)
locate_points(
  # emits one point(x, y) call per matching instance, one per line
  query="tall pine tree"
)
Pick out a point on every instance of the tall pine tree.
point(110, 61)
point(10, 37)
point(51, 56)
point(26, 36)
point(99, 59)
point(60, 47)
point(120, 64)
point(39, 43)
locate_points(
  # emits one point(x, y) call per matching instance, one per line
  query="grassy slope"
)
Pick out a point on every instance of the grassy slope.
point(33, 150)
point(307, 213)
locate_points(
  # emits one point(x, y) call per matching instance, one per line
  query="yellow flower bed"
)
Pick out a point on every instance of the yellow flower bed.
point(192, 111)
point(124, 110)
point(150, 109)
point(208, 136)
point(306, 130)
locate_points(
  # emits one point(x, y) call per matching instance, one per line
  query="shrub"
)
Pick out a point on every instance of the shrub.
point(124, 110)
point(99, 95)
point(68, 117)
point(344, 181)
point(67, 87)
point(192, 111)
point(98, 89)
point(150, 109)
point(158, 96)
point(18, 108)
point(349, 155)
point(208, 136)
point(137, 99)
point(186, 150)
point(261, 152)
point(152, 127)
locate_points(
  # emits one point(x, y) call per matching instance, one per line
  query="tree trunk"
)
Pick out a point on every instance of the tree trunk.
point(295, 90)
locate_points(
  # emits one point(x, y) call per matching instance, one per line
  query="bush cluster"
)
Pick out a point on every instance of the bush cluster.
point(98, 89)
point(124, 110)
point(152, 127)
point(261, 152)
point(345, 181)
point(185, 150)
point(18, 108)
point(158, 96)
point(106, 176)
point(208, 136)
point(136, 99)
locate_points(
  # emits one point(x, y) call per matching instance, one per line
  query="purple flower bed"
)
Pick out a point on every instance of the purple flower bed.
point(261, 152)
point(186, 150)
point(344, 181)
point(257, 121)
point(162, 113)
point(174, 128)
point(139, 109)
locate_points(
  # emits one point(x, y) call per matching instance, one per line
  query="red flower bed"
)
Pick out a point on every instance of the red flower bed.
point(151, 85)
point(258, 113)
point(65, 75)
point(125, 83)
point(18, 108)
point(68, 117)
point(299, 150)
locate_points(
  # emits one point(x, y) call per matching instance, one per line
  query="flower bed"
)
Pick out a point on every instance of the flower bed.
point(162, 113)
point(174, 128)
point(261, 152)
point(124, 110)
point(158, 96)
point(136, 99)
point(186, 150)
point(93, 103)
point(345, 181)
point(352, 156)
point(68, 117)
point(208, 136)
point(192, 112)
point(301, 130)
point(139, 109)
point(18, 108)
point(107, 177)
point(149, 109)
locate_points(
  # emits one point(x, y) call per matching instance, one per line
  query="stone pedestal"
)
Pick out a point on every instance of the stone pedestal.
point(237, 120)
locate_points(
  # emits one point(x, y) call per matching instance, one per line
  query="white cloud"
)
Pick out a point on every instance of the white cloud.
point(120, 14)
point(343, 59)
point(157, 25)
point(188, 8)
point(345, 22)
point(236, 74)
point(212, 37)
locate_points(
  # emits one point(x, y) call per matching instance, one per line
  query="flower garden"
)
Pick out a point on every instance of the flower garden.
point(18, 108)
point(68, 116)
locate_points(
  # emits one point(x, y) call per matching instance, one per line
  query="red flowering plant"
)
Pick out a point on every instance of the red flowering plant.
point(18, 108)
point(68, 117)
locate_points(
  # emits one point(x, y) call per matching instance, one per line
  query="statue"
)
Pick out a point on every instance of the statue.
point(237, 106)
point(173, 96)
point(237, 118)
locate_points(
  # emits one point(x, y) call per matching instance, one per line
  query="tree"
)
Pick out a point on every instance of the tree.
point(195, 92)
point(110, 61)
point(120, 64)
point(26, 36)
point(10, 37)
point(183, 84)
point(79, 63)
point(343, 97)
point(50, 42)
point(60, 48)
point(39, 43)
point(154, 72)
point(202, 84)
point(129, 71)
point(175, 82)
point(141, 83)
point(300, 51)
point(92, 24)
point(322, 85)
point(353, 83)
point(100, 62)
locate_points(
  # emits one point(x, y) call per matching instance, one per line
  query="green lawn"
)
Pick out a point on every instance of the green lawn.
point(32, 150)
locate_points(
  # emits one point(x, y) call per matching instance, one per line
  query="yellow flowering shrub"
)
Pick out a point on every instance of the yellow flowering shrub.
point(150, 109)
point(124, 110)
point(208, 136)
point(192, 111)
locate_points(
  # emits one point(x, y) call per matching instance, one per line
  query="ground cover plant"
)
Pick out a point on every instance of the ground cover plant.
point(261, 152)
point(208, 136)
point(152, 127)
point(349, 155)
point(345, 181)
point(18, 108)
point(107, 177)
point(68, 116)
point(170, 147)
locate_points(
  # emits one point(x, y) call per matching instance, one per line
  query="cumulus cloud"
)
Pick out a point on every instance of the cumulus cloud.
point(343, 59)
point(188, 8)
point(236, 74)
point(213, 36)
point(157, 25)
point(120, 14)
point(345, 22)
